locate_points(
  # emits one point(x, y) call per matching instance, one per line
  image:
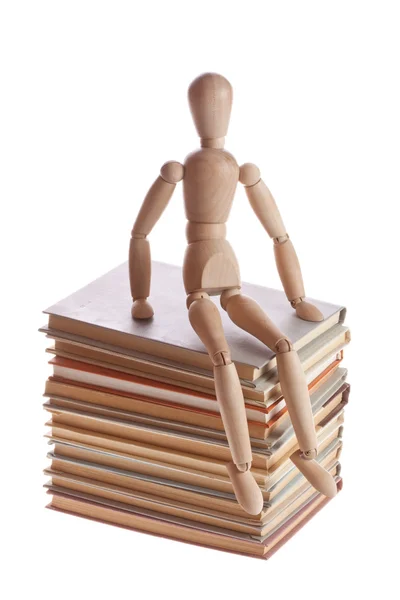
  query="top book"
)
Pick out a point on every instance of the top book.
point(101, 313)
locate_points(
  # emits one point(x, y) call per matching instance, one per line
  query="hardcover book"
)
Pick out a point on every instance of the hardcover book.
point(101, 312)
point(136, 430)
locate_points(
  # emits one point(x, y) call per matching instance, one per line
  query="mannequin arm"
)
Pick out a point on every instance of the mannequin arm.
point(286, 259)
point(151, 210)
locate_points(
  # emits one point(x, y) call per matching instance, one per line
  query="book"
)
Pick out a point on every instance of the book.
point(320, 351)
point(155, 524)
point(144, 446)
point(124, 470)
point(239, 522)
point(193, 440)
point(136, 434)
point(131, 387)
point(174, 414)
point(106, 402)
point(101, 311)
point(261, 528)
point(69, 462)
point(270, 469)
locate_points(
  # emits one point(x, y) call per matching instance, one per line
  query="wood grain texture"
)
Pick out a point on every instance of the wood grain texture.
point(210, 265)
point(139, 268)
point(264, 206)
point(247, 492)
point(249, 174)
point(210, 99)
point(206, 321)
point(211, 177)
point(315, 473)
point(153, 206)
point(233, 413)
point(172, 171)
point(308, 312)
point(297, 399)
point(197, 232)
point(151, 210)
point(210, 182)
point(248, 315)
point(289, 270)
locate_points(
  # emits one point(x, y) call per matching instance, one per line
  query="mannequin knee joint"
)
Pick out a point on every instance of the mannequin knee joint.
point(282, 239)
point(196, 296)
point(221, 358)
point(227, 295)
point(243, 467)
point(283, 345)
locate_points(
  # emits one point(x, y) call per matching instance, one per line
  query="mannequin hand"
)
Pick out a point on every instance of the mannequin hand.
point(308, 312)
point(141, 309)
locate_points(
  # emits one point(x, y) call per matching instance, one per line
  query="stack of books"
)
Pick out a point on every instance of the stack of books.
point(136, 433)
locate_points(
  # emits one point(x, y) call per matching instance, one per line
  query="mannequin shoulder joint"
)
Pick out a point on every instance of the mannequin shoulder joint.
point(249, 174)
point(172, 171)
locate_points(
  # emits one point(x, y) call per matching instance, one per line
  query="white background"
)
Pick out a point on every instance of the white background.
point(92, 103)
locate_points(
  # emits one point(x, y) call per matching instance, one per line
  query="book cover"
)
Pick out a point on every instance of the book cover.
point(102, 311)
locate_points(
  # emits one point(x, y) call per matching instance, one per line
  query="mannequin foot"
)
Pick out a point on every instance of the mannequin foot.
point(247, 492)
point(319, 477)
point(308, 312)
point(141, 309)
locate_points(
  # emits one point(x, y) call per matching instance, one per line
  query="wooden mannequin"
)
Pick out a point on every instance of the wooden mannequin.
point(210, 176)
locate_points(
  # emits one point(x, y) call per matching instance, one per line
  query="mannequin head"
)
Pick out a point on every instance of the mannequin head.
point(210, 99)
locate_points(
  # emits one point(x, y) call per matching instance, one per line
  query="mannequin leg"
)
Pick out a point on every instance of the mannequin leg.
point(248, 315)
point(206, 321)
